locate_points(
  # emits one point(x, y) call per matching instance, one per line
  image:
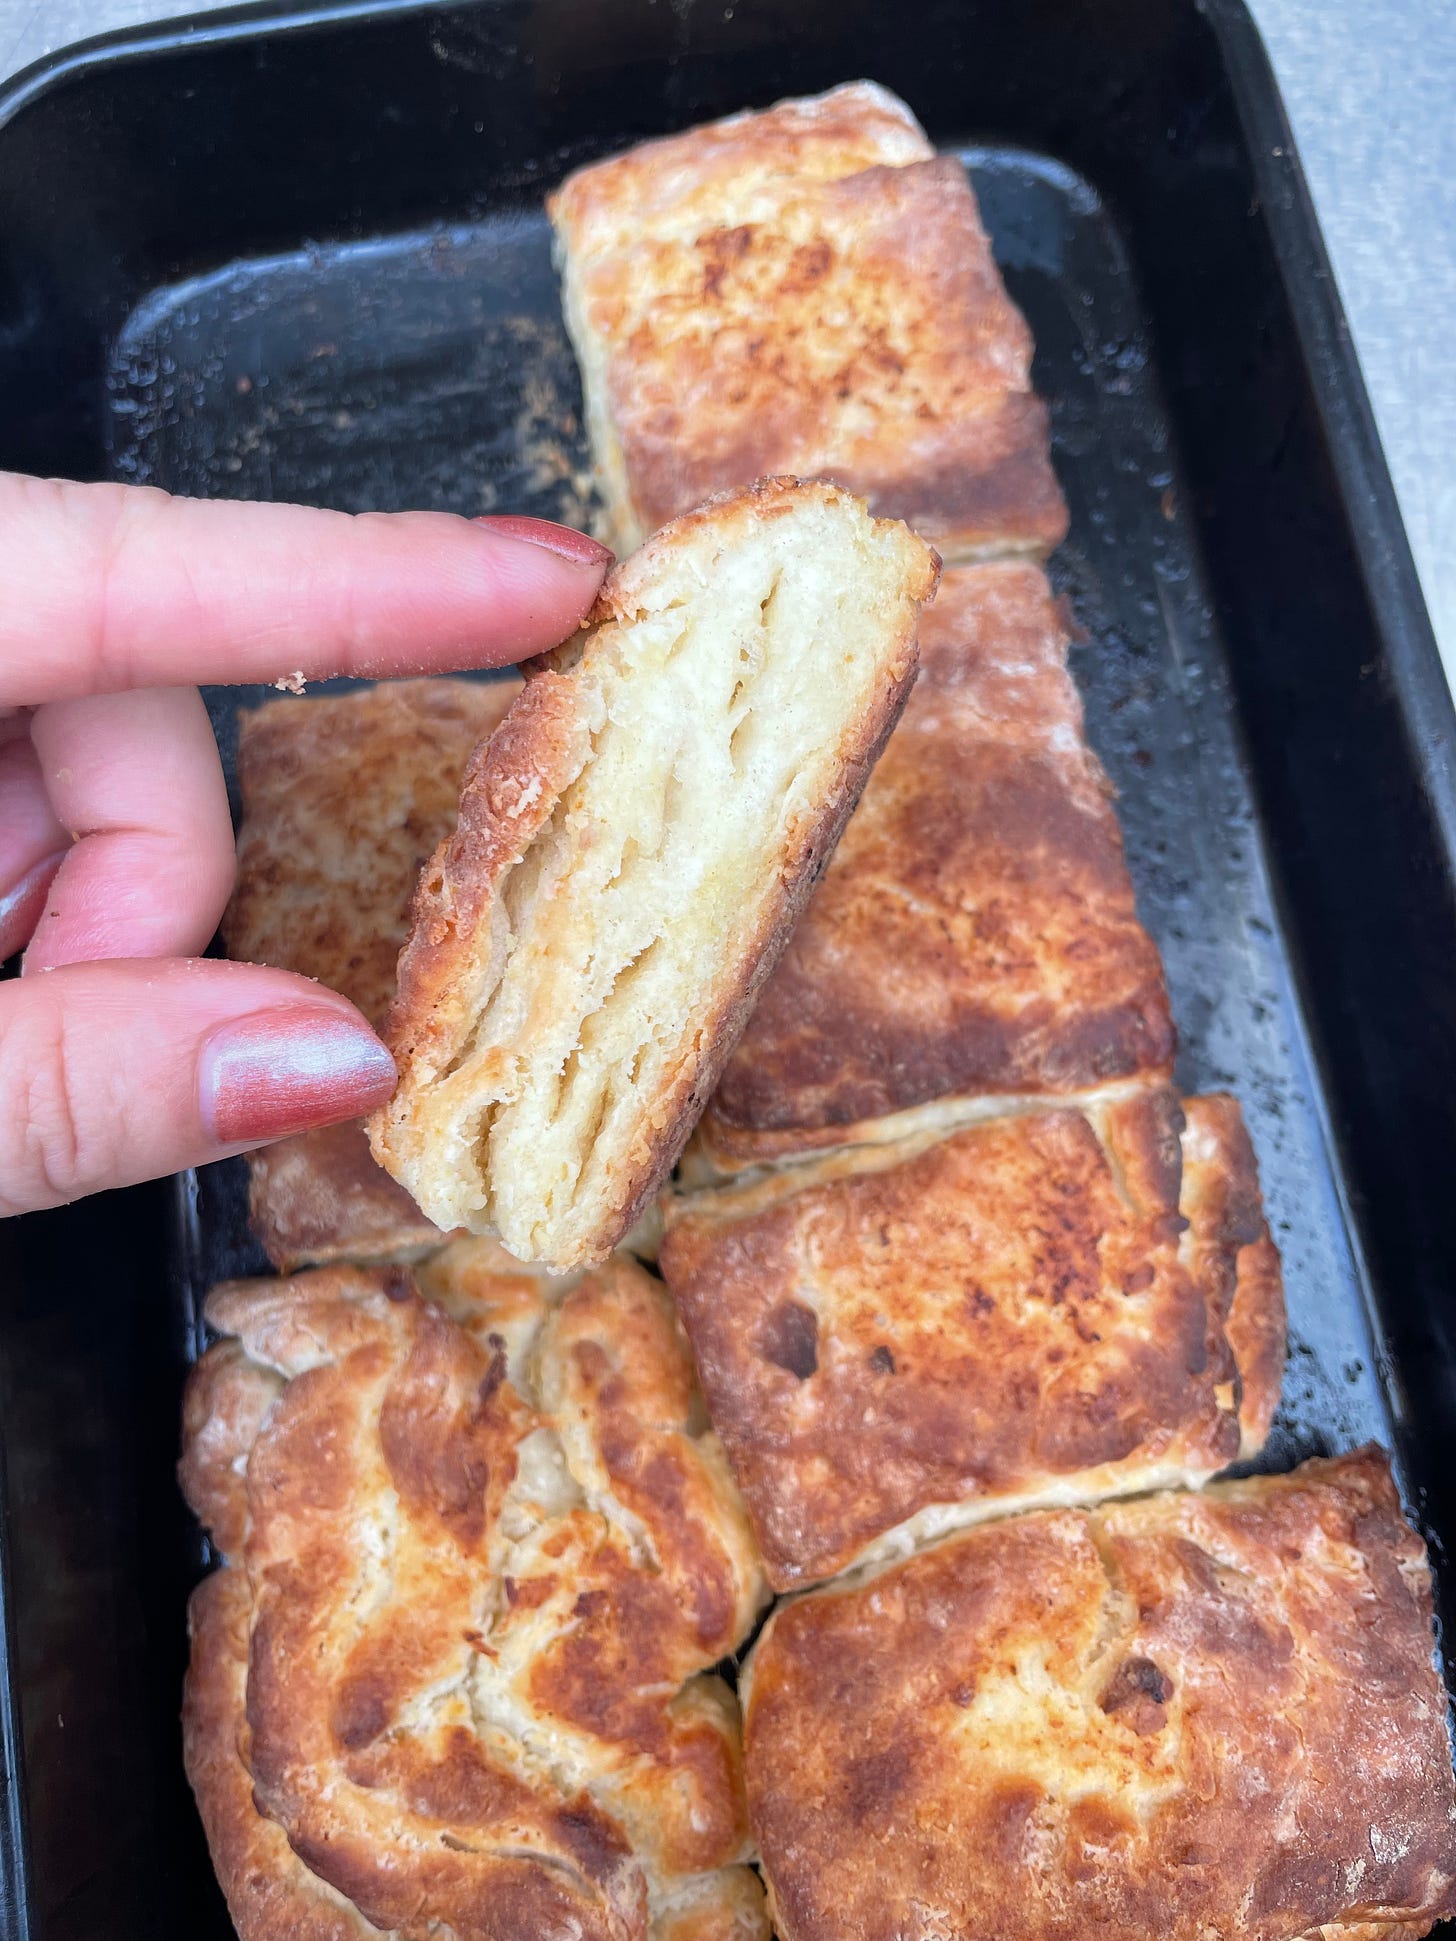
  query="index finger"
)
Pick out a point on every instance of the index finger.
point(119, 586)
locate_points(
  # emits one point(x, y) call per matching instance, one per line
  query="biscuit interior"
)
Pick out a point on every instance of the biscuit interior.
point(633, 844)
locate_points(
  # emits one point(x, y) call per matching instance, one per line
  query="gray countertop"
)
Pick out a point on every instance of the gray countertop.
point(1369, 86)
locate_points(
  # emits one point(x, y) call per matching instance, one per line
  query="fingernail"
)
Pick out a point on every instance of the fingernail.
point(562, 540)
point(284, 1071)
point(22, 903)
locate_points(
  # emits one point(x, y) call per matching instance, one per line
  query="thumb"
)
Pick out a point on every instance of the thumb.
point(116, 1072)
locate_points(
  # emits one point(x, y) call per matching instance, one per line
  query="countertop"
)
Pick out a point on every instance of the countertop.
point(1369, 86)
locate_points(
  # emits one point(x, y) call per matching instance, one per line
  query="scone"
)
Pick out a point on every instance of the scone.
point(1046, 1308)
point(975, 938)
point(633, 846)
point(1199, 1715)
point(344, 797)
point(805, 290)
point(453, 1675)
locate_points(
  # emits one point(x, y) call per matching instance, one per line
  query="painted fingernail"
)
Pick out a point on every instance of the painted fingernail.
point(284, 1071)
point(22, 903)
point(562, 540)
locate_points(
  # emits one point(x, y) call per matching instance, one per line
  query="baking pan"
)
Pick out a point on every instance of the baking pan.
point(303, 255)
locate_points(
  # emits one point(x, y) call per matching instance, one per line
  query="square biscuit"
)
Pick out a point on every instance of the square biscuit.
point(976, 935)
point(806, 290)
point(344, 797)
point(1047, 1307)
point(1192, 1715)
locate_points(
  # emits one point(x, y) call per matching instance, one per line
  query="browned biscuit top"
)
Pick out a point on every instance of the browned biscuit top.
point(271, 1893)
point(855, 329)
point(684, 179)
point(1016, 1312)
point(1211, 1713)
point(976, 931)
point(488, 1559)
point(319, 1197)
point(344, 797)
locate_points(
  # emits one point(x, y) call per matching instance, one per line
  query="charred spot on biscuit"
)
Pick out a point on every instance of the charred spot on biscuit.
point(593, 1839)
point(495, 1374)
point(398, 1284)
point(789, 1339)
point(361, 1712)
point(1138, 1694)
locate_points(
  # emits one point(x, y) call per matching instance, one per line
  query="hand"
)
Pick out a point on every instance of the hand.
point(123, 1055)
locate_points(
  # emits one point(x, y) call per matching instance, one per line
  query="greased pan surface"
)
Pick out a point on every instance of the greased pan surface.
point(306, 257)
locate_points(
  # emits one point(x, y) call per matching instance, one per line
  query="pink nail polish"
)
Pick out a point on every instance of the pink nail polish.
point(562, 540)
point(22, 903)
point(284, 1071)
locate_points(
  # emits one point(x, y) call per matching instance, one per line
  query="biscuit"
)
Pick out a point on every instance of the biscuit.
point(454, 1675)
point(1211, 1713)
point(344, 797)
point(634, 844)
point(805, 290)
point(1046, 1308)
point(975, 939)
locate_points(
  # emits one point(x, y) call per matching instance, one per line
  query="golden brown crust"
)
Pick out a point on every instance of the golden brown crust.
point(320, 1198)
point(1202, 1714)
point(514, 786)
point(976, 933)
point(224, 1405)
point(271, 1894)
point(1232, 1253)
point(344, 797)
point(844, 325)
point(945, 1331)
point(684, 178)
point(486, 1561)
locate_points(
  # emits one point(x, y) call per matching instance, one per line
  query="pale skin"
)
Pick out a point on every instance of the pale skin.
point(124, 1054)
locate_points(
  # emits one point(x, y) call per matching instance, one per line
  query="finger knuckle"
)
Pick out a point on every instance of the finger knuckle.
point(44, 1156)
point(99, 527)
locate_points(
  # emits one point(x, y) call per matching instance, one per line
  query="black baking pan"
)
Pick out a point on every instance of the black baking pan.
point(303, 255)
